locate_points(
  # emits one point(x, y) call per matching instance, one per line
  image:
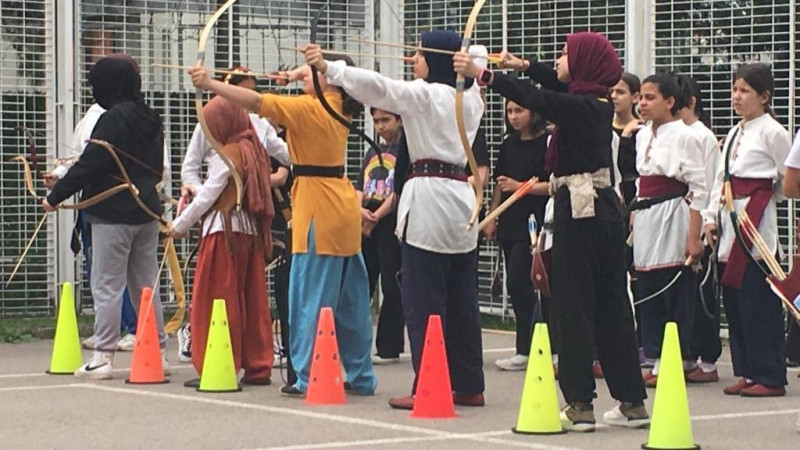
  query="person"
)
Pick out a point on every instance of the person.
point(439, 256)
point(379, 245)
point(753, 157)
point(125, 236)
point(521, 158)
point(669, 160)
point(234, 245)
point(625, 95)
point(327, 266)
point(281, 181)
point(705, 346)
point(588, 283)
point(199, 150)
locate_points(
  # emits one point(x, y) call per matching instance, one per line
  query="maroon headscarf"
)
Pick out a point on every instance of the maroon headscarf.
point(594, 68)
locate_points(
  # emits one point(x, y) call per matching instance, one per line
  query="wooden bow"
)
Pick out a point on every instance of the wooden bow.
point(462, 129)
point(198, 103)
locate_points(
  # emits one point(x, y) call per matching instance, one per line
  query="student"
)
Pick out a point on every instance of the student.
point(666, 227)
point(705, 345)
point(234, 245)
point(125, 237)
point(521, 158)
point(588, 283)
point(625, 96)
point(379, 245)
point(753, 155)
point(327, 266)
point(439, 257)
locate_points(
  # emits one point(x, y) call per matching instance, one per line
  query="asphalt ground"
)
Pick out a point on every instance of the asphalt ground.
point(39, 411)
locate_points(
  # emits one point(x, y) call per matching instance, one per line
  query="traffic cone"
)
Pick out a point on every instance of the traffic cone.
point(66, 358)
point(670, 427)
point(325, 384)
point(219, 370)
point(147, 366)
point(538, 409)
point(434, 396)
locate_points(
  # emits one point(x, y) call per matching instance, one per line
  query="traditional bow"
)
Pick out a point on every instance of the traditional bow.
point(31, 148)
point(198, 103)
point(318, 90)
point(462, 129)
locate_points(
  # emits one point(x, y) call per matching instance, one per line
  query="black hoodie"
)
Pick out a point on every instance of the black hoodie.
point(132, 126)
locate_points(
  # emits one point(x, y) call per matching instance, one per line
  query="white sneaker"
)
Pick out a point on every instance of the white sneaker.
point(513, 364)
point(184, 335)
point(126, 343)
point(627, 415)
point(99, 368)
point(381, 361)
point(165, 364)
point(89, 343)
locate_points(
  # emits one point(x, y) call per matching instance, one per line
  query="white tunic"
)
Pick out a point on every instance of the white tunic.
point(433, 212)
point(661, 231)
point(711, 153)
point(759, 151)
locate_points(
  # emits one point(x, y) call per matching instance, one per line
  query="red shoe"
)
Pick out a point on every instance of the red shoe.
point(402, 402)
point(736, 389)
point(650, 379)
point(597, 370)
point(759, 390)
point(698, 376)
point(468, 399)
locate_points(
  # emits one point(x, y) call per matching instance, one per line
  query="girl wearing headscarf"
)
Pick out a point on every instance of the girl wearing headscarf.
point(753, 156)
point(588, 283)
point(125, 237)
point(230, 264)
point(327, 269)
point(439, 256)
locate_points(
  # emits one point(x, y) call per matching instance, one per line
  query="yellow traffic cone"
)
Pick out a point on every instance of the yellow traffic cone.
point(670, 427)
point(219, 372)
point(67, 356)
point(538, 410)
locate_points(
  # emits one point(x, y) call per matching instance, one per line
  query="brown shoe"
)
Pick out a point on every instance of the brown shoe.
point(597, 370)
point(698, 376)
point(759, 390)
point(468, 399)
point(406, 402)
point(650, 380)
point(736, 389)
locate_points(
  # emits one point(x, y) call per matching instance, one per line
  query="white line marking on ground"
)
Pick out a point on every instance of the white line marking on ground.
point(499, 350)
point(44, 374)
point(346, 444)
point(775, 412)
point(324, 416)
point(37, 388)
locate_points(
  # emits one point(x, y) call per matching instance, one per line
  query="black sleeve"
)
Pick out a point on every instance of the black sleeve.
point(95, 161)
point(480, 149)
point(545, 75)
point(626, 160)
point(554, 106)
point(359, 185)
point(500, 167)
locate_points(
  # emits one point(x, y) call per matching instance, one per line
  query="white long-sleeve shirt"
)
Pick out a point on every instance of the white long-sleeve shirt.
point(660, 232)
point(433, 212)
point(200, 150)
point(708, 142)
point(758, 151)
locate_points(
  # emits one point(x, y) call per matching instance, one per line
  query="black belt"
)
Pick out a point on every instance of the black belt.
point(318, 171)
point(436, 168)
point(645, 203)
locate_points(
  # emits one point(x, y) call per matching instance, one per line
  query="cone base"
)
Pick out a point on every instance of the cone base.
point(219, 391)
point(128, 381)
point(60, 373)
point(694, 447)
point(422, 416)
point(515, 430)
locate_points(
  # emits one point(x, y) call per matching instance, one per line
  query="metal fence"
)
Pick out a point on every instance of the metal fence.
point(42, 79)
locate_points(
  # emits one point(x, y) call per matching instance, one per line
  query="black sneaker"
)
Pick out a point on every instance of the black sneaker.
point(291, 391)
point(194, 383)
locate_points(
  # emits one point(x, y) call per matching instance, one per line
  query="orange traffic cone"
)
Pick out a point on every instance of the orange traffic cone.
point(325, 384)
point(434, 397)
point(146, 364)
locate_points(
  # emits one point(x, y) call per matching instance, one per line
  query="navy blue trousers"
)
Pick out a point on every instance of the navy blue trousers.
point(706, 343)
point(755, 324)
point(447, 285)
point(676, 304)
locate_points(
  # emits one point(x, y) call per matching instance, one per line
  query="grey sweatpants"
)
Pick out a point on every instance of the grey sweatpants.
point(122, 255)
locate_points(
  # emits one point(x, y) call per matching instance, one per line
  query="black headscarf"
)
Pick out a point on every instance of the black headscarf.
point(115, 79)
point(440, 66)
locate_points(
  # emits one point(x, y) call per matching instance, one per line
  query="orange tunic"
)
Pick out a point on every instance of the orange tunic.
point(316, 138)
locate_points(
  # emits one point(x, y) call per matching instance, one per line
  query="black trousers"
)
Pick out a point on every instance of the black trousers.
point(676, 304)
point(705, 342)
point(524, 298)
point(591, 306)
point(755, 324)
point(447, 285)
point(281, 290)
point(382, 256)
point(793, 341)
